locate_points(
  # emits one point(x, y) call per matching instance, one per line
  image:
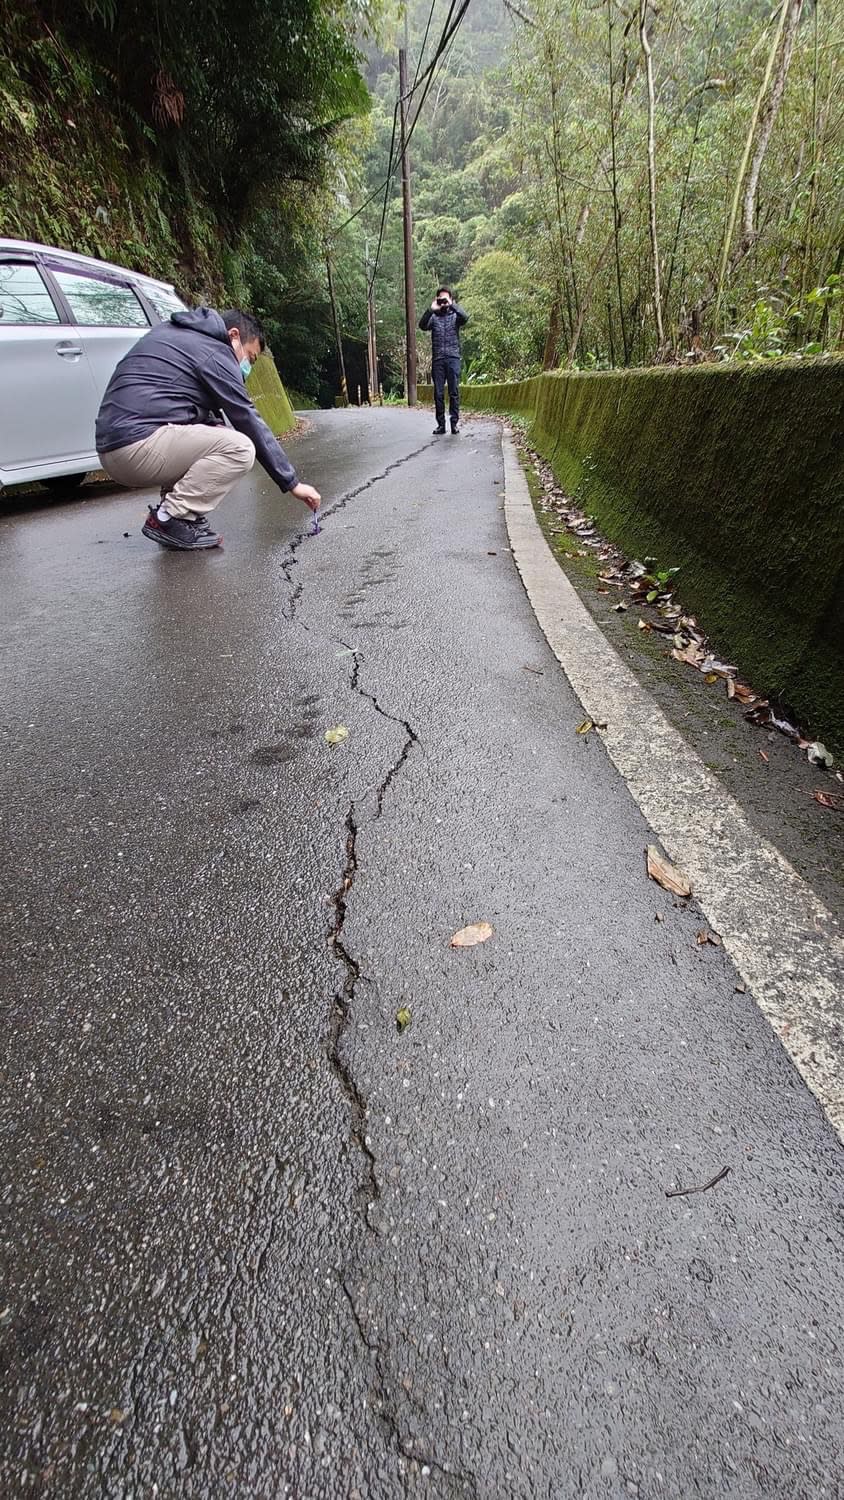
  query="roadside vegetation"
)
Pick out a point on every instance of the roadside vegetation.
point(605, 184)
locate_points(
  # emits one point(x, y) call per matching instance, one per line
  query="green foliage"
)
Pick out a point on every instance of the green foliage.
point(125, 136)
point(507, 313)
point(440, 255)
point(772, 325)
point(765, 337)
point(580, 140)
point(299, 401)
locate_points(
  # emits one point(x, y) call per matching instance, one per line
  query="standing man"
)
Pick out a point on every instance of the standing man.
point(445, 318)
point(160, 424)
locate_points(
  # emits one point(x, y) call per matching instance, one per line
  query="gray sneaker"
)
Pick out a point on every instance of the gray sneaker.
point(182, 536)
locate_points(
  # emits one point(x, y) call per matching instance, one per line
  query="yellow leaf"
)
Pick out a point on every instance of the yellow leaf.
point(468, 937)
point(403, 1017)
point(337, 735)
point(585, 727)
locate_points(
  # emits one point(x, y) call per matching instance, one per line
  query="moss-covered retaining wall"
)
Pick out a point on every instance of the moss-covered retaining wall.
point(266, 390)
point(734, 474)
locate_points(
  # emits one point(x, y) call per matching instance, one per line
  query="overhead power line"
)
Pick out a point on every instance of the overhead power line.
point(390, 171)
point(426, 76)
point(424, 45)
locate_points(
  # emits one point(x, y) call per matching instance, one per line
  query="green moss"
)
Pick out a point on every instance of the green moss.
point(732, 473)
point(268, 393)
point(80, 173)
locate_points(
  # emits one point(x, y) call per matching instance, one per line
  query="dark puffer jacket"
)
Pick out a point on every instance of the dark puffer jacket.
point(445, 330)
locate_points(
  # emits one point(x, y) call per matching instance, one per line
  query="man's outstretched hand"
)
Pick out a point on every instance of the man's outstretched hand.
point(306, 492)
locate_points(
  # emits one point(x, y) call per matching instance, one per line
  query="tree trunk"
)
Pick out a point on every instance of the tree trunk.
point(707, 83)
point(769, 115)
point(615, 208)
point(789, 16)
point(552, 337)
point(649, 73)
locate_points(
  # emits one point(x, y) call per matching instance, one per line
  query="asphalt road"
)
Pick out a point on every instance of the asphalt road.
point(255, 1241)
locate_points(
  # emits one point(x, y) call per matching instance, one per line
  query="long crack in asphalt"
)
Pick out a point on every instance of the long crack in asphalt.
point(384, 1405)
point(290, 561)
point(344, 997)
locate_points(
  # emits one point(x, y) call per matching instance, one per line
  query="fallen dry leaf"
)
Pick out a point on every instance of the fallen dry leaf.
point(403, 1017)
point(585, 727)
point(829, 799)
point(744, 693)
point(468, 937)
point(337, 735)
point(692, 655)
point(705, 936)
point(665, 874)
point(711, 677)
point(720, 668)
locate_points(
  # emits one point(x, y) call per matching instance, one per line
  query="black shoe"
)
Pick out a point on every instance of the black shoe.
point(454, 429)
point(439, 432)
point(200, 522)
point(182, 536)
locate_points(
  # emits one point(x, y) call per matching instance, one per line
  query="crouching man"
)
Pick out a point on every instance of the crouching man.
point(159, 423)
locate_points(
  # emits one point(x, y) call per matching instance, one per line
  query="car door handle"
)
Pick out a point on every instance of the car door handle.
point(69, 351)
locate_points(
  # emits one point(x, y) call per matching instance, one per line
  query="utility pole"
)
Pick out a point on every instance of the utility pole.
point(344, 389)
point(409, 281)
point(374, 383)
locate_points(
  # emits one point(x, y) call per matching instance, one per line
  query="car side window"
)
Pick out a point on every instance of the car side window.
point(24, 297)
point(163, 301)
point(100, 304)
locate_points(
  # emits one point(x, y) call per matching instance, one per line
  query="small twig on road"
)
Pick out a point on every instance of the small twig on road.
point(704, 1187)
point(537, 671)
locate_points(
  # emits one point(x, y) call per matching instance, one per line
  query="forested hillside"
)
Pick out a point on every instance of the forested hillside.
point(194, 140)
point(605, 183)
point(622, 183)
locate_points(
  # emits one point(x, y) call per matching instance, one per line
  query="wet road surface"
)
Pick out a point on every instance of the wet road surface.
point(255, 1242)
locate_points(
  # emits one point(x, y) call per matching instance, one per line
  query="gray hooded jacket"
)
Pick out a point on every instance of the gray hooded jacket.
point(185, 371)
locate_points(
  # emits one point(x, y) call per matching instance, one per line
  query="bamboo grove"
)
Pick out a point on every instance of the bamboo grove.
point(682, 166)
point(621, 182)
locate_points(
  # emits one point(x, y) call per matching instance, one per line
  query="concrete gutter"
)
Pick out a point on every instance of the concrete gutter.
point(780, 936)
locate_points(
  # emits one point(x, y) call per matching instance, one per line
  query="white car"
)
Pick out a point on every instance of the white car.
point(65, 321)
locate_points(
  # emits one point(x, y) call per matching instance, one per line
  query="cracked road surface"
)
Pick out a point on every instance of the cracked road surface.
point(257, 1243)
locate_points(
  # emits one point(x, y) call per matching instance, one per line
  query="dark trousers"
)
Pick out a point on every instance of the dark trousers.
point(446, 370)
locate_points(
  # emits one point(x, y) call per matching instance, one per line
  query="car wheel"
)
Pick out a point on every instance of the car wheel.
point(61, 482)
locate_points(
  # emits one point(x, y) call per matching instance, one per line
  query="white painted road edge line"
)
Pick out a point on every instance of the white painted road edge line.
point(780, 936)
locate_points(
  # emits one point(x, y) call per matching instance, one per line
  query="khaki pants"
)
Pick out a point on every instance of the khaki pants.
point(194, 466)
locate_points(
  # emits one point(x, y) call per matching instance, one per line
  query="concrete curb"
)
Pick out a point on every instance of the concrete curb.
point(780, 936)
